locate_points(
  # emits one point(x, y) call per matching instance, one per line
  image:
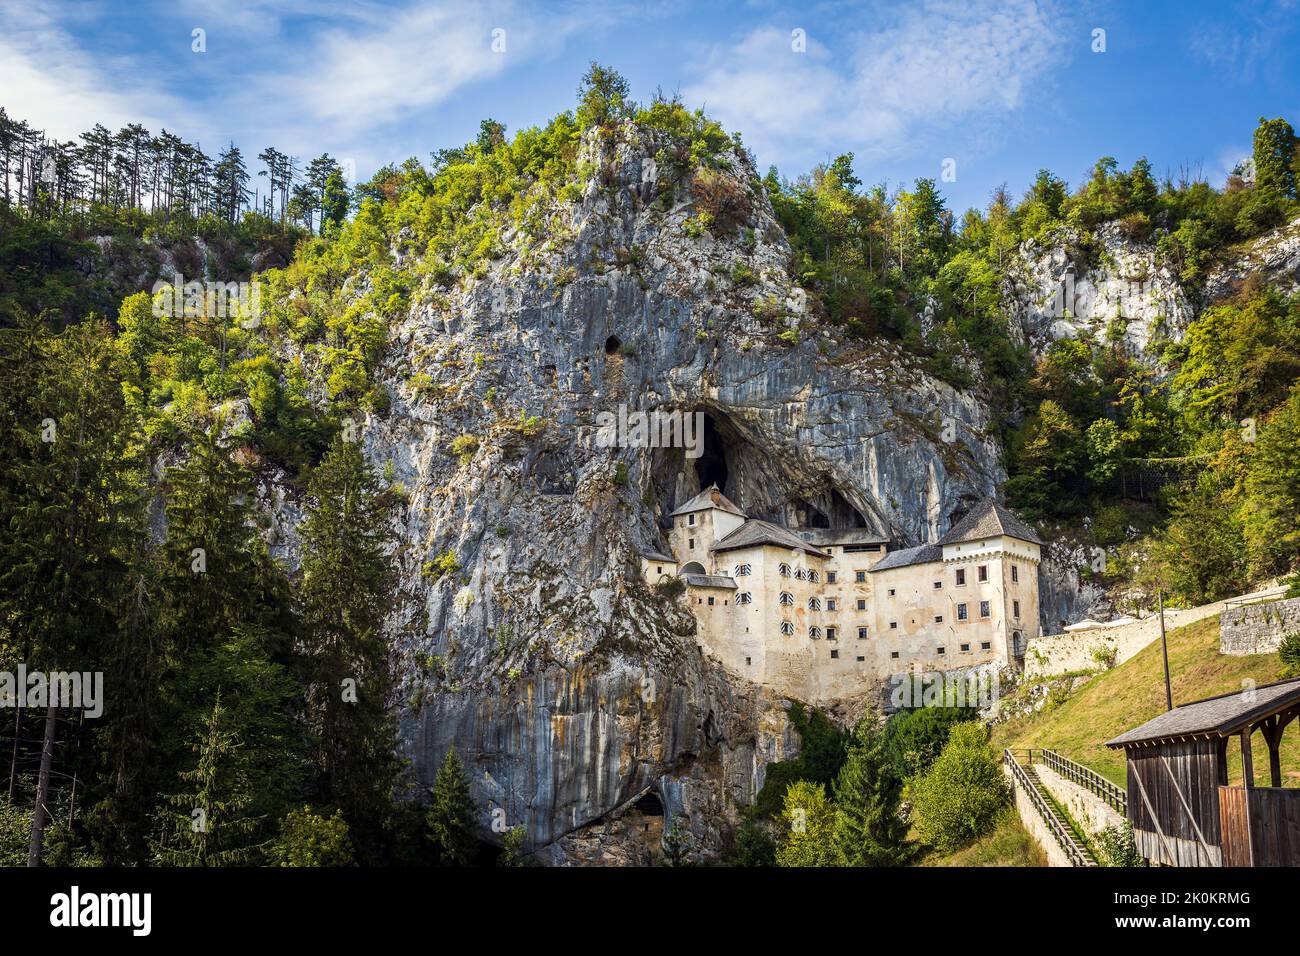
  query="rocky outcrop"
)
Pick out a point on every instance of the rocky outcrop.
point(1273, 257)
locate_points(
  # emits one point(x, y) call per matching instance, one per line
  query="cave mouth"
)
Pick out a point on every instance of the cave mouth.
point(612, 345)
point(650, 805)
point(711, 466)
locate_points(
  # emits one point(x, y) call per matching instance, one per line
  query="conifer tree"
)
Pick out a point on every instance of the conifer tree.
point(450, 818)
point(343, 599)
point(868, 830)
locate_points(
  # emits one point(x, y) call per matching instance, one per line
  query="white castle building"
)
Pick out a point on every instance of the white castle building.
point(822, 613)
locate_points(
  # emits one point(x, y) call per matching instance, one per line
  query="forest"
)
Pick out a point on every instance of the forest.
point(250, 715)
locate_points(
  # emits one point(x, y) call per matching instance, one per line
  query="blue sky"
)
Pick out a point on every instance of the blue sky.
point(1002, 88)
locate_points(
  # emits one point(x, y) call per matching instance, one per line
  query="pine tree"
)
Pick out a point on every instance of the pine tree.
point(209, 823)
point(450, 818)
point(343, 599)
point(868, 830)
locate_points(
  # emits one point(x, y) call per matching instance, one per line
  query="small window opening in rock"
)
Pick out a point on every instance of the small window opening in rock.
point(612, 345)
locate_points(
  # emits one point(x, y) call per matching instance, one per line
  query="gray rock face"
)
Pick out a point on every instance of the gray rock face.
point(569, 688)
point(1274, 257)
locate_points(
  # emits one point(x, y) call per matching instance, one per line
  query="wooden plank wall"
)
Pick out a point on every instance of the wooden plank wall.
point(1199, 768)
point(1232, 816)
point(1274, 822)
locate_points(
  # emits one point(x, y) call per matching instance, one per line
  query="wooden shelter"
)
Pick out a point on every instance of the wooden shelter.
point(1183, 811)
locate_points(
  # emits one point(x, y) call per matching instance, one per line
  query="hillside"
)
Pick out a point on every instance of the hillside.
point(1079, 725)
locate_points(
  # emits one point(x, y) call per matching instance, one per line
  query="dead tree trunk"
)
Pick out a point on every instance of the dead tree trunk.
point(40, 815)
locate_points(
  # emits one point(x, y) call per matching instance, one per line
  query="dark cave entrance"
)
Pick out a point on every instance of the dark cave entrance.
point(612, 345)
point(650, 805)
point(711, 466)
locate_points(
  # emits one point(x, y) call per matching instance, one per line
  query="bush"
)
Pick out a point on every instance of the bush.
point(1289, 652)
point(1116, 846)
point(808, 821)
point(725, 200)
point(914, 738)
point(958, 798)
point(308, 838)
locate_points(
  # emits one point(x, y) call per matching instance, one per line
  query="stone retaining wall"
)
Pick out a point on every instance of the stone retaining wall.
point(1257, 628)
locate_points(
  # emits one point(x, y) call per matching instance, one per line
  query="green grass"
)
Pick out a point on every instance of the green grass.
point(1007, 844)
point(1134, 692)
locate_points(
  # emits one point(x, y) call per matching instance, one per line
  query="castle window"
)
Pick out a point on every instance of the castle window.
point(812, 575)
point(983, 572)
point(748, 662)
point(690, 519)
point(961, 577)
point(710, 602)
point(1015, 573)
point(783, 569)
point(834, 653)
point(787, 599)
point(862, 604)
point(984, 608)
point(893, 655)
point(985, 645)
point(962, 613)
point(938, 619)
point(938, 585)
point(830, 633)
point(814, 604)
point(830, 577)
point(690, 543)
point(815, 632)
point(941, 650)
point(892, 592)
point(860, 577)
point(787, 628)
point(830, 604)
point(863, 633)
point(965, 648)
point(861, 658)
point(799, 574)
point(1015, 609)
point(744, 570)
point(659, 570)
point(744, 597)
point(893, 625)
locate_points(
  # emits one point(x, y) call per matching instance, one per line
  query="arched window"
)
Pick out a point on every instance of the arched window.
point(787, 628)
point(815, 632)
point(783, 569)
point(787, 599)
point(814, 604)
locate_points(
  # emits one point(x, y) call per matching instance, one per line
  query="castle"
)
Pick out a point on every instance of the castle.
point(820, 613)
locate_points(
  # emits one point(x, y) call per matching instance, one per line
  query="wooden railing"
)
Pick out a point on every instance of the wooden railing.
point(1064, 839)
point(1090, 780)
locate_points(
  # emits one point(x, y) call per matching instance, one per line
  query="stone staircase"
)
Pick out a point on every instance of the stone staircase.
point(1025, 779)
point(1060, 828)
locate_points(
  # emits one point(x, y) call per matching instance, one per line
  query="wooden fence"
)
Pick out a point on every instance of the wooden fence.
point(1088, 779)
point(1064, 839)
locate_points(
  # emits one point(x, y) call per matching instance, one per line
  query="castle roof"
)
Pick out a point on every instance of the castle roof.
point(710, 497)
point(906, 557)
point(829, 536)
point(756, 532)
point(710, 581)
point(654, 555)
point(989, 520)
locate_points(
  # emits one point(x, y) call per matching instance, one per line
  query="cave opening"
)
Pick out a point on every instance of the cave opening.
point(612, 345)
point(650, 805)
point(711, 466)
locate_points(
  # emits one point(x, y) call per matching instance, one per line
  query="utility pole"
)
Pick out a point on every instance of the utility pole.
point(1164, 651)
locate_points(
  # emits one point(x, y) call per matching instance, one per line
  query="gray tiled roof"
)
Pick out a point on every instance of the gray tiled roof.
point(1215, 716)
point(709, 581)
point(658, 556)
point(710, 497)
point(755, 531)
point(828, 536)
point(986, 520)
point(909, 556)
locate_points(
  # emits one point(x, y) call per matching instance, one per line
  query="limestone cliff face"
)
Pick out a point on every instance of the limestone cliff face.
point(569, 687)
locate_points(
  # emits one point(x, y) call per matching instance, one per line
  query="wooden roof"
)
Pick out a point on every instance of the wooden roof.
point(1220, 716)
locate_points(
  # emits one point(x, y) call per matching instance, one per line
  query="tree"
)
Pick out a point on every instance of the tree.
point(335, 200)
point(808, 822)
point(754, 846)
point(343, 599)
point(1275, 146)
point(450, 818)
point(308, 838)
point(1272, 514)
point(602, 97)
point(209, 824)
point(958, 798)
point(868, 830)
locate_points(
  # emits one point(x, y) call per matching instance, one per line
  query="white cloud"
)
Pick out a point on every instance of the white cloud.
point(939, 63)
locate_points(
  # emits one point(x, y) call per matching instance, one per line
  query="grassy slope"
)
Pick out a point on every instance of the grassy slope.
point(1134, 692)
point(1007, 844)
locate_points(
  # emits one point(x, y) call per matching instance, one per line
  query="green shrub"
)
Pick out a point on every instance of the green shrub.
point(1289, 652)
point(807, 822)
point(958, 798)
point(308, 838)
point(1116, 846)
